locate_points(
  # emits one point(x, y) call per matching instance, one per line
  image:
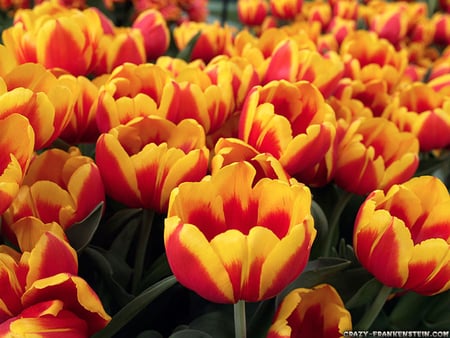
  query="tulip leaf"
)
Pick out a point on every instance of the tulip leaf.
point(409, 311)
point(190, 333)
point(260, 322)
point(186, 53)
point(217, 324)
point(365, 294)
point(106, 270)
point(159, 269)
point(321, 225)
point(150, 334)
point(129, 311)
point(316, 271)
point(437, 315)
point(80, 234)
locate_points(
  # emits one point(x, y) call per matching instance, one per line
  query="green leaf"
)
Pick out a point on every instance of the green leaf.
point(437, 314)
point(190, 333)
point(150, 334)
point(409, 311)
point(316, 272)
point(321, 225)
point(186, 53)
point(103, 266)
point(158, 270)
point(261, 320)
point(365, 294)
point(129, 311)
point(80, 234)
point(217, 324)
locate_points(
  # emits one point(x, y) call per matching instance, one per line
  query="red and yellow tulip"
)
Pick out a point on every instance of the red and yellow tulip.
point(44, 297)
point(59, 186)
point(155, 32)
point(286, 9)
point(317, 312)
point(252, 12)
point(17, 148)
point(130, 91)
point(292, 122)
point(419, 109)
point(374, 154)
point(214, 230)
point(45, 100)
point(402, 236)
point(142, 161)
point(55, 40)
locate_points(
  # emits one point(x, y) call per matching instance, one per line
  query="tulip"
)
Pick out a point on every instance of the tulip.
point(56, 40)
point(155, 32)
point(374, 154)
point(286, 9)
point(142, 161)
point(82, 127)
point(419, 109)
point(252, 12)
point(441, 23)
point(317, 11)
point(193, 95)
point(292, 122)
point(40, 96)
point(130, 91)
point(62, 187)
point(317, 312)
point(17, 146)
point(373, 58)
point(231, 150)
point(392, 24)
point(213, 39)
point(8, 63)
point(401, 236)
point(340, 28)
point(214, 230)
point(46, 297)
point(125, 45)
point(345, 9)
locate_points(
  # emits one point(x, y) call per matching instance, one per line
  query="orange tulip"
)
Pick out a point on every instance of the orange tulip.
point(419, 109)
point(292, 122)
point(142, 161)
point(15, 156)
point(214, 230)
point(45, 297)
point(252, 12)
point(45, 100)
point(317, 312)
point(62, 187)
point(286, 9)
point(55, 40)
point(155, 32)
point(373, 154)
point(401, 236)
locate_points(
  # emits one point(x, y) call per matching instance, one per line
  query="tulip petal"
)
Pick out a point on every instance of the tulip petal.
point(197, 265)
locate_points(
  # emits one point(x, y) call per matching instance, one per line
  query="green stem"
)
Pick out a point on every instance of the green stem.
point(240, 327)
point(141, 249)
point(372, 312)
point(334, 222)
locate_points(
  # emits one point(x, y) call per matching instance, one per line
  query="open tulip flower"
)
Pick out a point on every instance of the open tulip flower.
point(402, 236)
point(292, 122)
point(56, 40)
point(317, 312)
point(130, 91)
point(374, 154)
point(15, 156)
point(44, 297)
point(59, 186)
point(419, 109)
point(47, 102)
point(142, 161)
point(230, 238)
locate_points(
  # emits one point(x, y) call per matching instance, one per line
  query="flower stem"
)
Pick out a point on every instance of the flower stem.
point(334, 222)
point(240, 327)
point(372, 312)
point(144, 235)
